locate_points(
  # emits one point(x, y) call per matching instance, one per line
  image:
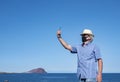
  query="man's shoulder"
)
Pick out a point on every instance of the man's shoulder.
point(95, 46)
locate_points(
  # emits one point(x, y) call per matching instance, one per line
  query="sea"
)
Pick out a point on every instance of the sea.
point(52, 77)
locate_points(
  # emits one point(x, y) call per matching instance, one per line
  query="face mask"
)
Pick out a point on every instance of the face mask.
point(84, 39)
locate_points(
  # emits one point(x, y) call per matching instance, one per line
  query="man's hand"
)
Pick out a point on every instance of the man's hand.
point(59, 33)
point(99, 77)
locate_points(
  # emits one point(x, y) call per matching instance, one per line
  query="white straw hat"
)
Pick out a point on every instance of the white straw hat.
point(87, 31)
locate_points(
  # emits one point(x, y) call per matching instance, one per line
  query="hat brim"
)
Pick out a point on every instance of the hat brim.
point(87, 34)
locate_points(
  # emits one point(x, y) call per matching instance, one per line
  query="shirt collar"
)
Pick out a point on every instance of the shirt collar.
point(87, 43)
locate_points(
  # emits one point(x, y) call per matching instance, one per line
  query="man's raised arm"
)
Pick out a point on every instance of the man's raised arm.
point(64, 44)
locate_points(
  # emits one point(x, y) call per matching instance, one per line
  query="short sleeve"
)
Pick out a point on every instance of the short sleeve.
point(97, 53)
point(74, 49)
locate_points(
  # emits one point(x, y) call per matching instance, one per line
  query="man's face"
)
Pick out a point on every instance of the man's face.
point(86, 37)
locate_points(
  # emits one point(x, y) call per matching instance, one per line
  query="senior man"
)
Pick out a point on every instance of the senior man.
point(90, 65)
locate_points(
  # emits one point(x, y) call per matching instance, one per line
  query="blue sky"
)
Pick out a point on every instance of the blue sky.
point(28, 33)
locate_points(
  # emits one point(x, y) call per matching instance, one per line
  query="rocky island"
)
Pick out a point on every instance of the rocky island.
point(36, 70)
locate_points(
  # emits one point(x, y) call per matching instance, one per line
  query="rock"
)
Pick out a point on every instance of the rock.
point(37, 70)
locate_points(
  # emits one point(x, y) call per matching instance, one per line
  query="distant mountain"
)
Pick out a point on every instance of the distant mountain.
point(37, 70)
point(3, 72)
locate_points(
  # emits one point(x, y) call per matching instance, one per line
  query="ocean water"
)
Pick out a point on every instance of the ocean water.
point(53, 77)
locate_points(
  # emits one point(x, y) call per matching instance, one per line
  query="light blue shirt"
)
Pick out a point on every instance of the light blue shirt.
point(87, 60)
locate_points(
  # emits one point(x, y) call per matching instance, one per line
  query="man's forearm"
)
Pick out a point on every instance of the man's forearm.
point(64, 44)
point(100, 66)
